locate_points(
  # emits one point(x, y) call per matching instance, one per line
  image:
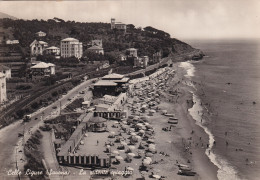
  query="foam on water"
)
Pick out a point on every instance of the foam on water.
point(225, 170)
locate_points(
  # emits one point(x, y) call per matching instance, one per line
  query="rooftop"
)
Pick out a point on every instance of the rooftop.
point(113, 76)
point(131, 49)
point(52, 47)
point(42, 65)
point(96, 47)
point(69, 39)
point(3, 67)
point(97, 119)
point(105, 83)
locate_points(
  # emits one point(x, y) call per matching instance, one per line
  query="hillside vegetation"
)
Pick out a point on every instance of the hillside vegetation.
point(147, 40)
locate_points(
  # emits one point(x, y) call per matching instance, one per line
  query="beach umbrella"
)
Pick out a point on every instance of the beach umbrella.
point(149, 126)
point(146, 124)
point(132, 129)
point(133, 134)
point(131, 147)
point(142, 131)
point(152, 149)
point(152, 146)
point(112, 132)
point(124, 122)
point(156, 176)
point(150, 140)
point(131, 154)
point(123, 143)
point(146, 162)
point(130, 169)
point(136, 118)
point(138, 137)
point(139, 124)
point(148, 154)
point(164, 111)
point(115, 152)
point(119, 158)
point(149, 159)
point(152, 111)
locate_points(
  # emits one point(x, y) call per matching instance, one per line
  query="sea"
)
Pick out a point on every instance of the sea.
point(226, 89)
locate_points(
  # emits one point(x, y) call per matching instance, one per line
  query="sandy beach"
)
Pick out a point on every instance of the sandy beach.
point(181, 143)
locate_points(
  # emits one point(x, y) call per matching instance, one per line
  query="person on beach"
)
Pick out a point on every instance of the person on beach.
point(226, 143)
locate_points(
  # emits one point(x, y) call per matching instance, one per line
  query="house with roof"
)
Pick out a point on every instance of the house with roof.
point(71, 47)
point(111, 103)
point(6, 71)
point(131, 52)
point(3, 97)
point(96, 49)
point(97, 42)
point(37, 47)
point(52, 50)
point(41, 34)
point(117, 25)
point(157, 57)
point(141, 61)
point(111, 84)
point(42, 69)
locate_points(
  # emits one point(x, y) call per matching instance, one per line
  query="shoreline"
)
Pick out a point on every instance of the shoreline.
point(203, 119)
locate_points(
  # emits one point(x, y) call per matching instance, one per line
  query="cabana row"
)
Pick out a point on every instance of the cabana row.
point(85, 160)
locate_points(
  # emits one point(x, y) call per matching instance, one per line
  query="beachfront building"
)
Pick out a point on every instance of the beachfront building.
point(141, 61)
point(40, 34)
point(117, 25)
point(6, 71)
point(111, 84)
point(41, 70)
point(12, 41)
point(52, 50)
point(111, 103)
point(86, 155)
point(3, 97)
point(37, 47)
point(71, 47)
point(96, 49)
point(131, 52)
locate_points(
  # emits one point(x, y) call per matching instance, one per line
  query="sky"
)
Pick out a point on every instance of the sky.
point(182, 19)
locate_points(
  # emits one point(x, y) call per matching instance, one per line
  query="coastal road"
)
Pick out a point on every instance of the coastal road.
point(10, 143)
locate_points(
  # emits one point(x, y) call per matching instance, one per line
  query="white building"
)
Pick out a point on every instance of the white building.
point(52, 50)
point(117, 25)
point(12, 41)
point(37, 47)
point(6, 71)
point(40, 34)
point(3, 97)
point(43, 69)
point(71, 47)
point(141, 61)
point(132, 52)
